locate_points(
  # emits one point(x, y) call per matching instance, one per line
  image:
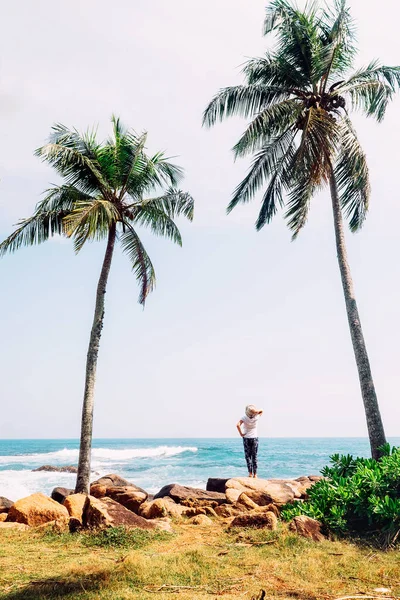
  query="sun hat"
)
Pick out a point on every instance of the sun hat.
point(251, 410)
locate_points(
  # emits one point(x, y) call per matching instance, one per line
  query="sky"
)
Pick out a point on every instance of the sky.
point(237, 316)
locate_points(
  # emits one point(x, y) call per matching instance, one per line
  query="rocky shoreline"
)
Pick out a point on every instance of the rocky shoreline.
point(114, 502)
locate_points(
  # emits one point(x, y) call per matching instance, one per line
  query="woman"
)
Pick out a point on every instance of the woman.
point(250, 437)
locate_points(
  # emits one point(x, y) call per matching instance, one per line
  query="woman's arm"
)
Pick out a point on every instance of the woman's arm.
point(239, 427)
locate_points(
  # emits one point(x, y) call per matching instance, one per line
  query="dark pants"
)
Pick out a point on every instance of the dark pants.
point(250, 453)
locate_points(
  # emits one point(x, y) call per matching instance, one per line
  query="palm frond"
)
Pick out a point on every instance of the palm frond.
point(243, 101)
point(90, 220)
point(320, 135)
point(274, 70)
point(173, 203)
point(154, 218)
point(47, 219)
point(299, 204)
point(371, 89)
point(269, 123)
point(74, 157)
point(141, 263)
point(263, 167)
point(352, 177)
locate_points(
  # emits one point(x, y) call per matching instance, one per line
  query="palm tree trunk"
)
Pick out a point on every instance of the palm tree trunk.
point(83, 477)
point(374, 421)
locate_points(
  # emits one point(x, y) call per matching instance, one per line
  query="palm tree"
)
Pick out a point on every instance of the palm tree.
point(104, 196)
point(298, 97)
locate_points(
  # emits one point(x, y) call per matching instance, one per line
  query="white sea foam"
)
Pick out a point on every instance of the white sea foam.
point(98, 454)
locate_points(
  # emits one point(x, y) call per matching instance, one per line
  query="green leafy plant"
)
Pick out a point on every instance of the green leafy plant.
point(360, 496)
point(120, 537)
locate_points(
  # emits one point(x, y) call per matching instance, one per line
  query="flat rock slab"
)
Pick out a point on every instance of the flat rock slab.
point(105, 512)
point(181, 493)
point(55, 469)
point(14, 526)
point(263, 491)
point(37, 509)
point(267, 520)
point(113, 480)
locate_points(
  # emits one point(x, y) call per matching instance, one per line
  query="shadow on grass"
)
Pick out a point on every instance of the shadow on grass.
point(74, 585)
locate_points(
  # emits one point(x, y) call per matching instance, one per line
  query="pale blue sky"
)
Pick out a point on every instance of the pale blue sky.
point(237, 316)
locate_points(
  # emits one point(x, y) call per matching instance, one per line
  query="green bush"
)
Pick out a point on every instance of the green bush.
point(120, 537)
point(360, 496)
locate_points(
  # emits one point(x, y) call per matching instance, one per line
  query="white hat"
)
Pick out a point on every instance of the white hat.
point(251, 411)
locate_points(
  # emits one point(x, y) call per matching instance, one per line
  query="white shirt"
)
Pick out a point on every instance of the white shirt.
point(250, 426)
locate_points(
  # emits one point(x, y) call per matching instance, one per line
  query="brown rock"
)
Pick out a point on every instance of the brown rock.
point(161, 507)
point(60, 493)
point(113, 480)
point(51, 468)
point(315, 478)
point(261, 491)
point(163, 524)
point(244, 502)
point(216, 484)
point(74, 505)
point(256, 519)
point(127, 496)
point(210, 511)
point(59, 526)
point(98, 490)
point(3, 517)
point(13, 526)
point(5, 504)
point(37, 509)
point(181, 493)
point(193, 512)
point(227, 510)
point(201, 520)
point(307, 527)
point(108, 513)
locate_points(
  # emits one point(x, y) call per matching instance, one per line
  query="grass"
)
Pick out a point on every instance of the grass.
point(194, 563)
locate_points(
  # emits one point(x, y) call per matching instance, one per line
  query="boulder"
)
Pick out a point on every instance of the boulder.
point(307, 527)
point(37, 509)
point(109, 513)
point(14, 526)
point(257, 519)
point(3, 517)
point(163, 524)
point(216, 484)
point(201, 520)
point(60, 493)
point(181, 493)
point(161, 507)
point(193, 512)
point(74, 505)
point(51, 468)
point(113, 480)
point(244, 502)
point(98, 490)
point(261, 491)
point(127, 496)
point(227, 510)
point(5, 504)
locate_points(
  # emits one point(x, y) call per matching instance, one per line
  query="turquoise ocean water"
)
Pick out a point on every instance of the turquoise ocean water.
point(152, 463)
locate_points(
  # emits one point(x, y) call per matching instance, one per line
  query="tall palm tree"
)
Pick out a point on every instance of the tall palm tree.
point(104, 196)
point(298, 97)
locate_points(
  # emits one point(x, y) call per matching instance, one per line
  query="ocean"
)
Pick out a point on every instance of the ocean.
point(152, 463)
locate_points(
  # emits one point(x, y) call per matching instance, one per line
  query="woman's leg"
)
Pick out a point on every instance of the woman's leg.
point(247, 454)
point(254, 452)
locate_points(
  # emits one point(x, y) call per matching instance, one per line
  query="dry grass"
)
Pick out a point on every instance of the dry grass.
point(195, 563)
